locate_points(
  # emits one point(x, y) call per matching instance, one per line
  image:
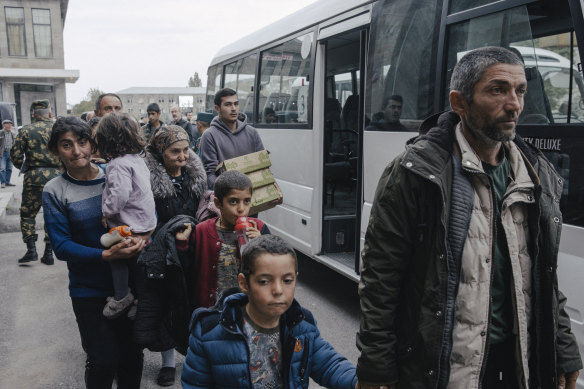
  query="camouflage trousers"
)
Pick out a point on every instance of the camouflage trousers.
point(32, 191)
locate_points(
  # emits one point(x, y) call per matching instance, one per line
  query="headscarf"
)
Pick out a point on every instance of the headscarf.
point(166, 136)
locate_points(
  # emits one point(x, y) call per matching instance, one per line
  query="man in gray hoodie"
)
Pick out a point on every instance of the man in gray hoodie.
point(229, 135)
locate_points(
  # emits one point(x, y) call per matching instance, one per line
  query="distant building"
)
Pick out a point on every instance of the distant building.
point(136, 99)
point(32, 64)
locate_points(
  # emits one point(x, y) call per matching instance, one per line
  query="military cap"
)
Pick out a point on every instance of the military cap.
point(7, 121)
point(40, 104)
point(204, 117)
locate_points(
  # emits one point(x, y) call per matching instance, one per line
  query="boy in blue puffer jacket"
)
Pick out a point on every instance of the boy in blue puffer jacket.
point(262, 338)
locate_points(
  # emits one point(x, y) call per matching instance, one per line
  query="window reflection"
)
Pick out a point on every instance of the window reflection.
point(401, 65)
point(240, 76)
point(284, 82)
point(554, 87)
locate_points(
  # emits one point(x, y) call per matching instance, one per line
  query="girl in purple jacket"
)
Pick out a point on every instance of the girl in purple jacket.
point(127, 197)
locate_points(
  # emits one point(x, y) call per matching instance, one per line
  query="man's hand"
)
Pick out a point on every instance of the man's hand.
point(104, 221)
point(127, 248)
point(568, 380)
point(184, 234)
point(366, 385)
point(278, 201)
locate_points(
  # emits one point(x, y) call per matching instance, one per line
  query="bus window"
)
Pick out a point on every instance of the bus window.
point(463, 5)
point(213, 86)
point(498, 29)
point(400, 65)
point(240, 76)
point(559, 85)
point(544, 39)
point(284, 96)
point(344, 87)
point(211, 90)
point(231, 75)
point(562, 82)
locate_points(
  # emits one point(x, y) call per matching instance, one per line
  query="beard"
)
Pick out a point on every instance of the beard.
point(486, 131)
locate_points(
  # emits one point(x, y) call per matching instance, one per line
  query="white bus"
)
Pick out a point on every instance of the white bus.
point(327, 71)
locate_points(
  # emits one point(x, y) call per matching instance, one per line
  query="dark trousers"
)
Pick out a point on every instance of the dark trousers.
point(500, 371)
point(111, 352)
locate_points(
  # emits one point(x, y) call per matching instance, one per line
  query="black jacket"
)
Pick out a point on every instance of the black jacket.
point(408, 286)
point(164, 308)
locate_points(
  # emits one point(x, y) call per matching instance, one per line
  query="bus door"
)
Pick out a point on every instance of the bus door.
point(342, 146)
point(549, 37)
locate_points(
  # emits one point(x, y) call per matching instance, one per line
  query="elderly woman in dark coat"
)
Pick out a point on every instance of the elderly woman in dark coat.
point(178, 182)
point(177, 175)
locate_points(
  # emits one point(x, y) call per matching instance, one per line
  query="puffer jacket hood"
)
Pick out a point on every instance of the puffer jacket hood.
point(160, 182)
point(230, 317)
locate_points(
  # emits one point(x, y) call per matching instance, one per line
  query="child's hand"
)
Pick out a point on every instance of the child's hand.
point(104, 221)
point(127, 248)
point(252, 232)
point(184, 234)
point(98, 160)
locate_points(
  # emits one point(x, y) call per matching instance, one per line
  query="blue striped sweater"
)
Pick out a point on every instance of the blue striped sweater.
point(72, 212)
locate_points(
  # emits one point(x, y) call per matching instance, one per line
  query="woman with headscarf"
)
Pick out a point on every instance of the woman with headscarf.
point(177, 175)
point(179, 182)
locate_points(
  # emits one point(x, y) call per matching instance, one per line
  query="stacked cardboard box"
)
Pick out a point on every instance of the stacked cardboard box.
point(257, 167)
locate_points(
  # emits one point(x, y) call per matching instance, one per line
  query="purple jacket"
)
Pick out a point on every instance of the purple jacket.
point(127, 196)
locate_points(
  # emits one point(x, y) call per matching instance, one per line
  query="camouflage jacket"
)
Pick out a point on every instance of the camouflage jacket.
point(31, 142)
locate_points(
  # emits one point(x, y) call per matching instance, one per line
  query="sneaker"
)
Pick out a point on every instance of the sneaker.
point(115, 308)
point(166, 376)
point(133, 309)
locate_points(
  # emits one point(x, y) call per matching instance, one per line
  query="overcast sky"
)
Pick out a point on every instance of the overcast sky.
point(121, 44)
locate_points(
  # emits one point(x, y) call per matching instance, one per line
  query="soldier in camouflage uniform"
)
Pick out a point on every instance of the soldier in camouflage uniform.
point(40, 166)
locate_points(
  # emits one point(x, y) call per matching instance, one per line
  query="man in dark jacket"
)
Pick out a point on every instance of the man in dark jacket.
point(459, 287)
point(229, 135)
point(178, 119)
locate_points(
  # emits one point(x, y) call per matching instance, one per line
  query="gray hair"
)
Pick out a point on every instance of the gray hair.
point(473, 65)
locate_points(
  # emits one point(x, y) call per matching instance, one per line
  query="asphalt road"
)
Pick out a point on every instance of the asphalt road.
point(39, 340)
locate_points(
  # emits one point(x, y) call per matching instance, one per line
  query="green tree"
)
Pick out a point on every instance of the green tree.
point(87, 104)
point(195, 81)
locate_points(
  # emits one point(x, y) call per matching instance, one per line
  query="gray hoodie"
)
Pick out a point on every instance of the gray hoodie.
point(218, 143)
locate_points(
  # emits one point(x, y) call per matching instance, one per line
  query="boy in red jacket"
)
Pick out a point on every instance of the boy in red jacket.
point(212, 246)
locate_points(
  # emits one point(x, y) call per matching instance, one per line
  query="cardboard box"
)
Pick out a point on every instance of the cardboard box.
point(262, 198)
point(246, 163)
point(261, 178)
point(257, 167)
